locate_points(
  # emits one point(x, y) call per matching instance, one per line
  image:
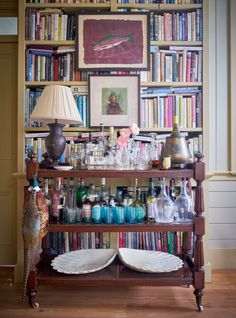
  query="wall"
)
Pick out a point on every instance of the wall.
point(221, 137)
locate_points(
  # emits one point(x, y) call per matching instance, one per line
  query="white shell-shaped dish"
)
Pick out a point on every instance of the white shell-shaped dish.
point(83, 261)
point(63, 168)
point(149, 261)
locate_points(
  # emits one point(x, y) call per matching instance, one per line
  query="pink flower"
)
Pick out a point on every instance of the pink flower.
point(126, 132)
point(122, 141)
point(134, 129)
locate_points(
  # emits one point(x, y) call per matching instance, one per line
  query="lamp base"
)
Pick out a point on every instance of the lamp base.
point(55, 142)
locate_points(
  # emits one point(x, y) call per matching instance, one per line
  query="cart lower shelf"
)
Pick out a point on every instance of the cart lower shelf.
point(116, 274)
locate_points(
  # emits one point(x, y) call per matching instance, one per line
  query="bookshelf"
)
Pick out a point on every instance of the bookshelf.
point(196, 268)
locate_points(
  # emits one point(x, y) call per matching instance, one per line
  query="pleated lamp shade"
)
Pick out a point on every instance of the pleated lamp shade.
point(56, 103)
point(56, 107)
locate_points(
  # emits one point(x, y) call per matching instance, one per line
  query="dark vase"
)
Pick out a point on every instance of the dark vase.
point(55, 142)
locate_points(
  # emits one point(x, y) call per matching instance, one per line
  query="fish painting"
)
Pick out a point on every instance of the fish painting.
point(112, 41)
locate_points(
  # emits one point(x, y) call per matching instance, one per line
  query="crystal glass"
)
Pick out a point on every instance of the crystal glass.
point(165, 210)
point(183, 205)
point(153, 146)
point(70, 206)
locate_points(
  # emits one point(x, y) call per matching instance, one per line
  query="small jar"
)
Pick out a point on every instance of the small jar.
point(166, 162)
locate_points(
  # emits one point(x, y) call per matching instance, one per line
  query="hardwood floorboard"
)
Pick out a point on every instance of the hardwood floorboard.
point(117, 302)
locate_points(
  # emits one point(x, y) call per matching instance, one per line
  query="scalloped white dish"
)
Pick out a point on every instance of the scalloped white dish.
point(63, 168)
point(83, 261)
point(149, 261)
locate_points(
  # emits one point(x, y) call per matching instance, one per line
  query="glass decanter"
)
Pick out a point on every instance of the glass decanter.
point(165, 210)
point(183, 205)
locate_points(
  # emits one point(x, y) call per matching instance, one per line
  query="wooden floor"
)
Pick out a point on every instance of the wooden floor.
point(134, 302)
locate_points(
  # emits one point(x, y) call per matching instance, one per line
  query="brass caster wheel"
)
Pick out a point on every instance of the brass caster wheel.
point(200, 308)
point(35, 305)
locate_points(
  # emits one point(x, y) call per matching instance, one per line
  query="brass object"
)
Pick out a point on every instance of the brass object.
point(176, 147)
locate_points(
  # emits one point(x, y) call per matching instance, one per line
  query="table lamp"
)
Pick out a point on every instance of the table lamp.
point(56, 107)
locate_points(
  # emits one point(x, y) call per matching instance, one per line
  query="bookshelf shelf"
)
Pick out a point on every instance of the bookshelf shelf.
point(44, 83)
point(51, 43)
point(74, 6)
point(159, 7)
point(171, 84)
point(122, 227)
point(80, 129)
point(116, 274)
point(179, 43)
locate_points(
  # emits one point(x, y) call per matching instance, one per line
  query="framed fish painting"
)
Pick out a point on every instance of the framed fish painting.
point(113, 99)
point(113, 41)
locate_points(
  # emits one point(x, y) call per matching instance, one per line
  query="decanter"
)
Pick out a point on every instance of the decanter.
point(183, 205)
point(164, 211)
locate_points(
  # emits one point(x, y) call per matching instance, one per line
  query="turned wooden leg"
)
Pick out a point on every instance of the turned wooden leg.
point(32, 294)
point(199, 293)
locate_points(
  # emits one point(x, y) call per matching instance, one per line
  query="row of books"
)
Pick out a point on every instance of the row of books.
point(68, 1)
point(119, 1)
point(175, 64)
point(170, 242)
point(176, 26)
point(31, 98)
point(45, 66)
point(159, 111)
point(49, 24)
point(161, 1)
point(64, 242)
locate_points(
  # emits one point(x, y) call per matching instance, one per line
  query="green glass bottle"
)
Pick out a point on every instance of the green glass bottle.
point(140, 209)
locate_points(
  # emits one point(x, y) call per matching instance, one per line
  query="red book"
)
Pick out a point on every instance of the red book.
point(74, 241)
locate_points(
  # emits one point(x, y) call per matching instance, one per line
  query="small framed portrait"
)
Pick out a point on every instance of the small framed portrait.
point(113, 100)
point(110, 41)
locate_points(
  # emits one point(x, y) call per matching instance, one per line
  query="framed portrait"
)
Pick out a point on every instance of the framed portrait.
point(113, 100)
point(111, 41)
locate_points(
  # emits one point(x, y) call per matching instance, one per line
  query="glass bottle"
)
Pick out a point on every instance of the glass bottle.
point(164, 204)
point(119, 209)
point(57, 200)
point(183, 205)
point(110, 210)
point(96, 211)
point(151, 201)
point(140, 209)
point(81, 193)
point(112, 138)
point(87, 210)
point(172, 189)
point(46, 194)
point(104, 192)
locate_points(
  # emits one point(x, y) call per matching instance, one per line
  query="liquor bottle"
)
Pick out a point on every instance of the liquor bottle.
point(104, 192)
point(81, 193)
point(87, 210)
point(151, 201)
point(164, 211)
point(92, 192)
point(57, 202)
point(119, 209)
point(172, 189)
point(46, 194)
point(140, 209)
point(112, 138)
point(96, 211)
